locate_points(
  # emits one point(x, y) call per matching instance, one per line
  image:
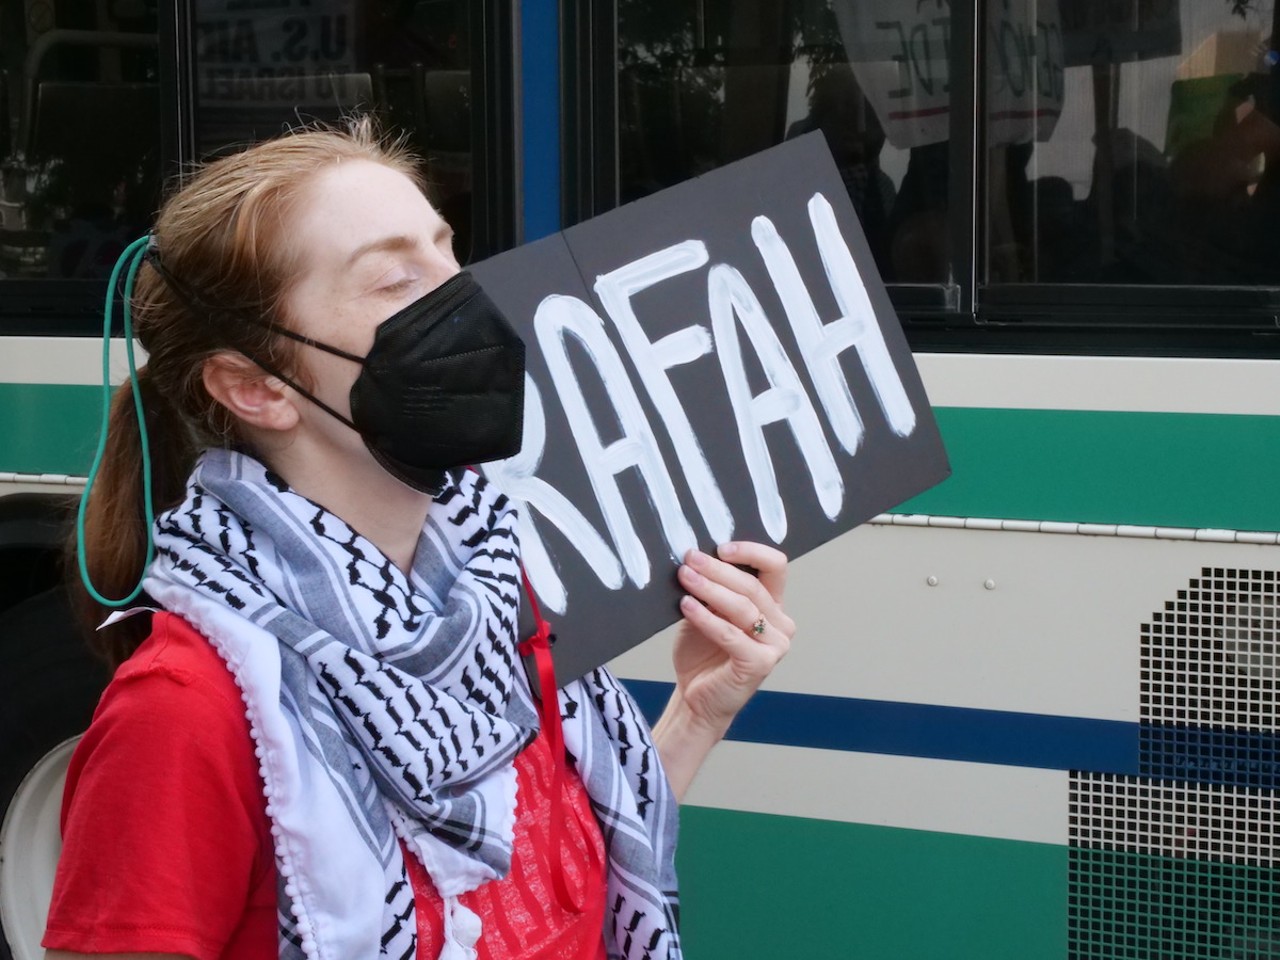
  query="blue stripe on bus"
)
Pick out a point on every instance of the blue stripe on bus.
point(922, 730)
point(1237, 758)
point(1221, 756)
point(540, 120)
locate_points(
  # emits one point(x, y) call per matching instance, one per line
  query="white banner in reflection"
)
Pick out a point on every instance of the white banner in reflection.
point(901, 53)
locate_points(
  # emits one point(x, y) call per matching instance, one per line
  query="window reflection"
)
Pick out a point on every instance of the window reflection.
point(703, 83)
point(1164, 165)
point(79, 135)
point(263, 68)
point(901, 54)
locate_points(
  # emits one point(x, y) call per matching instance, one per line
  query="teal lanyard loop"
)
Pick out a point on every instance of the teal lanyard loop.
point(131, 259)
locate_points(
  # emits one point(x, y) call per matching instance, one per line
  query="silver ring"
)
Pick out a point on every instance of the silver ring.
point(757, 628)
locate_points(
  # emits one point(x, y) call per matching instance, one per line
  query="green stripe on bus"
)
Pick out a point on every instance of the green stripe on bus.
point(48, 428)
point(1156, 469)
point(1150, 469)
point(755, 885)
point(1142, 905)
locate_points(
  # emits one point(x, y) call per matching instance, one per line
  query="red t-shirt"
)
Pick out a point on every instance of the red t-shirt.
point(167, 845)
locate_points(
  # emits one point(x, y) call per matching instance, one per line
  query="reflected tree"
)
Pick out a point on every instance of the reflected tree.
point(703, 83)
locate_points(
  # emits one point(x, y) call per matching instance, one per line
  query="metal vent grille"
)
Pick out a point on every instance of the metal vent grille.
point(1181, 861)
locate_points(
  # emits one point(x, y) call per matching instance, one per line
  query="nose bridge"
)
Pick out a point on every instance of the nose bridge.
point(443, 267)
point(441, 263)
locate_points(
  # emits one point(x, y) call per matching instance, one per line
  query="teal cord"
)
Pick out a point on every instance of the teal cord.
point(133, 256)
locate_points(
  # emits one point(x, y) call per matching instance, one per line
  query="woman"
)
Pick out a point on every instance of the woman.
point(324, 745)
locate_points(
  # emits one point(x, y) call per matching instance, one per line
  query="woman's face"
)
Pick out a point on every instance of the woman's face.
point(368, 243)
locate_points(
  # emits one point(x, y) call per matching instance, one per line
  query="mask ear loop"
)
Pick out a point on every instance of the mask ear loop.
point(132, 257)
point(198, 305)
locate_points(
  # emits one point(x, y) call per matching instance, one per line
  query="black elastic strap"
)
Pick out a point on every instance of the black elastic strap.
point(201, 306)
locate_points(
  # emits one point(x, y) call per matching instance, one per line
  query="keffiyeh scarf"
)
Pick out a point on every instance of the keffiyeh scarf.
point(386, 707)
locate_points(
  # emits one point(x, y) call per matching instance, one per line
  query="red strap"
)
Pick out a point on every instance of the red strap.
point(549, 713)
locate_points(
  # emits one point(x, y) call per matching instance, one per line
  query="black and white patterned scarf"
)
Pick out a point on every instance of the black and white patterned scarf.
point(386, 706)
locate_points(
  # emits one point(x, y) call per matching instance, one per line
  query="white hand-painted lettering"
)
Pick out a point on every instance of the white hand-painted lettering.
point(616, 554)
point(732, 301)
point(820, 345)
point(864, 335)
point(556, 317)
point(515, 477)
point(654, 358)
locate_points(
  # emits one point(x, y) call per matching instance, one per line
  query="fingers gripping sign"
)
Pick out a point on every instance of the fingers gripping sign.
point(734, 630)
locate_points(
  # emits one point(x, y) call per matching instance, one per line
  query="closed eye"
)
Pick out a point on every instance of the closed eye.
point(398, 279)
point(398, 285)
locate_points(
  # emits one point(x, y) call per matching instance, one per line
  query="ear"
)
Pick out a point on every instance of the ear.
point(252, 395)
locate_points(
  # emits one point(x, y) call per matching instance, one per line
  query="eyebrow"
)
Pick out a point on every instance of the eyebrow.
point(394, 243)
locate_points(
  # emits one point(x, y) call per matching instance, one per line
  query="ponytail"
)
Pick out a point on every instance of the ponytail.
point(115, 541)
point(113, 525)
point(220, 236)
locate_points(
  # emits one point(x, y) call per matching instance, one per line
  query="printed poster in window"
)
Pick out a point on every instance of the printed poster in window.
point(286, 53)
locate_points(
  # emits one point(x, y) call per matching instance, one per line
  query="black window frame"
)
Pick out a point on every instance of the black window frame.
point(73, 308)
point(963, 314)
point(61, 307)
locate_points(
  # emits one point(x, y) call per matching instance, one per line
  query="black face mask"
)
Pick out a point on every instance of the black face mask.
point(442, 386)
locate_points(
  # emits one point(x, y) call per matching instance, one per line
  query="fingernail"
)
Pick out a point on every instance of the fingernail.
point(687, 602)
point(697, 558)
point(689, 574)
point(728, 549)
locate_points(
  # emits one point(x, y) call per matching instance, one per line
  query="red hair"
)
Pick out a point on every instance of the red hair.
point(223, 235)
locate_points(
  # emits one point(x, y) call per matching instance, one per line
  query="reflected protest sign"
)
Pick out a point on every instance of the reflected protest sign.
point(900, 51)
point(718, 361)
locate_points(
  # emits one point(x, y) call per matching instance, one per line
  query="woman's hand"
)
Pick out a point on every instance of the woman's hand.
point(734, 630)
point(734, 633)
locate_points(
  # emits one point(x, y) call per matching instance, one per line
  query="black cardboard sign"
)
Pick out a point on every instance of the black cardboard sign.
point(717, 361)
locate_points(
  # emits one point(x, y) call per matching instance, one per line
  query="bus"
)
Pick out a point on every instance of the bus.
point(1030, 714)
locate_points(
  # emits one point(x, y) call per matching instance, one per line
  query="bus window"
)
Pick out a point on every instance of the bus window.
point(79, 111)
point(260, 71)
point(702, 84)
point(1132, 143)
